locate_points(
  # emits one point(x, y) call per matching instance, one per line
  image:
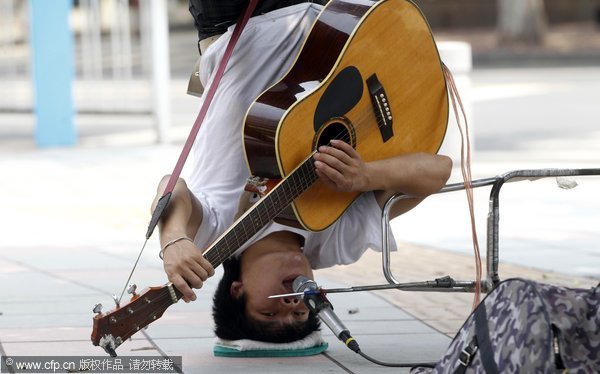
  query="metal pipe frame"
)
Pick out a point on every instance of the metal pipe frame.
point(492, 278)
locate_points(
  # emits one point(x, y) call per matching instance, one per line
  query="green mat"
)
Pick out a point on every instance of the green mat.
point(222, 351)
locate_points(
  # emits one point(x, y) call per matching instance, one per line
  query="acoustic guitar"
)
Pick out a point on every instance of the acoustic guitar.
point(369, 73)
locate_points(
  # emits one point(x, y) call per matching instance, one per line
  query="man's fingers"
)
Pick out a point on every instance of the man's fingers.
point(332, 154)
point(183, 287)
point(194, 277)
point(331, 161)
point(340, 156)
point(188, 271)
point(325, 179)
point(329, 173)
point(205, 264)
point(347, 148)
point(342, 150)
point(198, 268)
point(332, 177)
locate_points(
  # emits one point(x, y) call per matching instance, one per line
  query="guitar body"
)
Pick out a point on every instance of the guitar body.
point(369, 73)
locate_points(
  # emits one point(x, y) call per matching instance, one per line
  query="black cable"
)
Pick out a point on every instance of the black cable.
point(352, 344)
point(396, 364)
point(318, 304)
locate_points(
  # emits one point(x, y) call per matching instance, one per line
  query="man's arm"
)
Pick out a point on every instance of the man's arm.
point(416, 174)
point(183, 262)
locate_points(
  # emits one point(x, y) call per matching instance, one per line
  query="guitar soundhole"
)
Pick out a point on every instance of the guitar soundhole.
point(338, 128)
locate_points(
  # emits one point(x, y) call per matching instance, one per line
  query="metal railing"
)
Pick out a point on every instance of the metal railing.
point(447, 283)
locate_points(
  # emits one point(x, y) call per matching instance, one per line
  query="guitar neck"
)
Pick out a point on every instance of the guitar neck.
point(263, 212)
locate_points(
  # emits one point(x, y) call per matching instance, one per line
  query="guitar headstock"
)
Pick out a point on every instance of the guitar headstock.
point(111, 329)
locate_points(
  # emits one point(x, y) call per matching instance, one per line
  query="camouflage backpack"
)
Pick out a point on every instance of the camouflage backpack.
point(527, 327)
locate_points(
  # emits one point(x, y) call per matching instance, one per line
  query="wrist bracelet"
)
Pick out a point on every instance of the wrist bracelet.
point(162, 251)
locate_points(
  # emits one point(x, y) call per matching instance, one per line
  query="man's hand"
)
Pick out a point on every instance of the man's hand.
point(186, 268)
point(340, 167)
point(184, 264)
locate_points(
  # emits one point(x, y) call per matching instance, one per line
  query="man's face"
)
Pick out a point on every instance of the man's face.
point(269, 267)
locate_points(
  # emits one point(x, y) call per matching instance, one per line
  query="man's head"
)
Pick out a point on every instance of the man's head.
point(242, 309)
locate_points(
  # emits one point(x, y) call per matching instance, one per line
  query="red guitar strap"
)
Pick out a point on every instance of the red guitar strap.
point(208, 97)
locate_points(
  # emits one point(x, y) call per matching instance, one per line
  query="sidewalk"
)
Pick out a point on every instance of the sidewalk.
point(55, 319)
point(74, 220)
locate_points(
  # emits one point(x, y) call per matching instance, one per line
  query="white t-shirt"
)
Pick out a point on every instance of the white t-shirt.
point(343, 242)
point(264, 53)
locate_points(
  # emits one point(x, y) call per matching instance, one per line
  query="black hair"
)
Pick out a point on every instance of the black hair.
point(232, 322)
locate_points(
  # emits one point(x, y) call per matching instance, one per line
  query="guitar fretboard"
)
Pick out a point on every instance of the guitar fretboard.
point(262, 213)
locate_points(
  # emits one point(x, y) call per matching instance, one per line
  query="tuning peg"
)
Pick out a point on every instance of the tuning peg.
point(97, 308)
point(117, 301)
point(131, 289)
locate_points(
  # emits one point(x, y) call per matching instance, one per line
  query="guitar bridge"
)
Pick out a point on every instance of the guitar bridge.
point(381, 107)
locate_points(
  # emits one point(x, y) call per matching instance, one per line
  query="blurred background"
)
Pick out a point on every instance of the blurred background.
point(94, 111)
point(112, 43)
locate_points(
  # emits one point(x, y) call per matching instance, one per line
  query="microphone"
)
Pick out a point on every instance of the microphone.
point(318, 304)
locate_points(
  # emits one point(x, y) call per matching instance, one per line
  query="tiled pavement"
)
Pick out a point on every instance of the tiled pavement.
point(71, 233)
point(49, 293)
point(73, 221)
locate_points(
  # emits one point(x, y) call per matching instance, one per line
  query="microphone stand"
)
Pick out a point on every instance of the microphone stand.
point(446, 283)
point(315, 300)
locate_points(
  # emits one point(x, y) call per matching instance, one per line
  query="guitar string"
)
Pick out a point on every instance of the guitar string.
point(254, 215)
point(292, 187)
point(295, 183)
point(270, 210)
point(217, 255)
point(342, 135)
point(214, 254)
